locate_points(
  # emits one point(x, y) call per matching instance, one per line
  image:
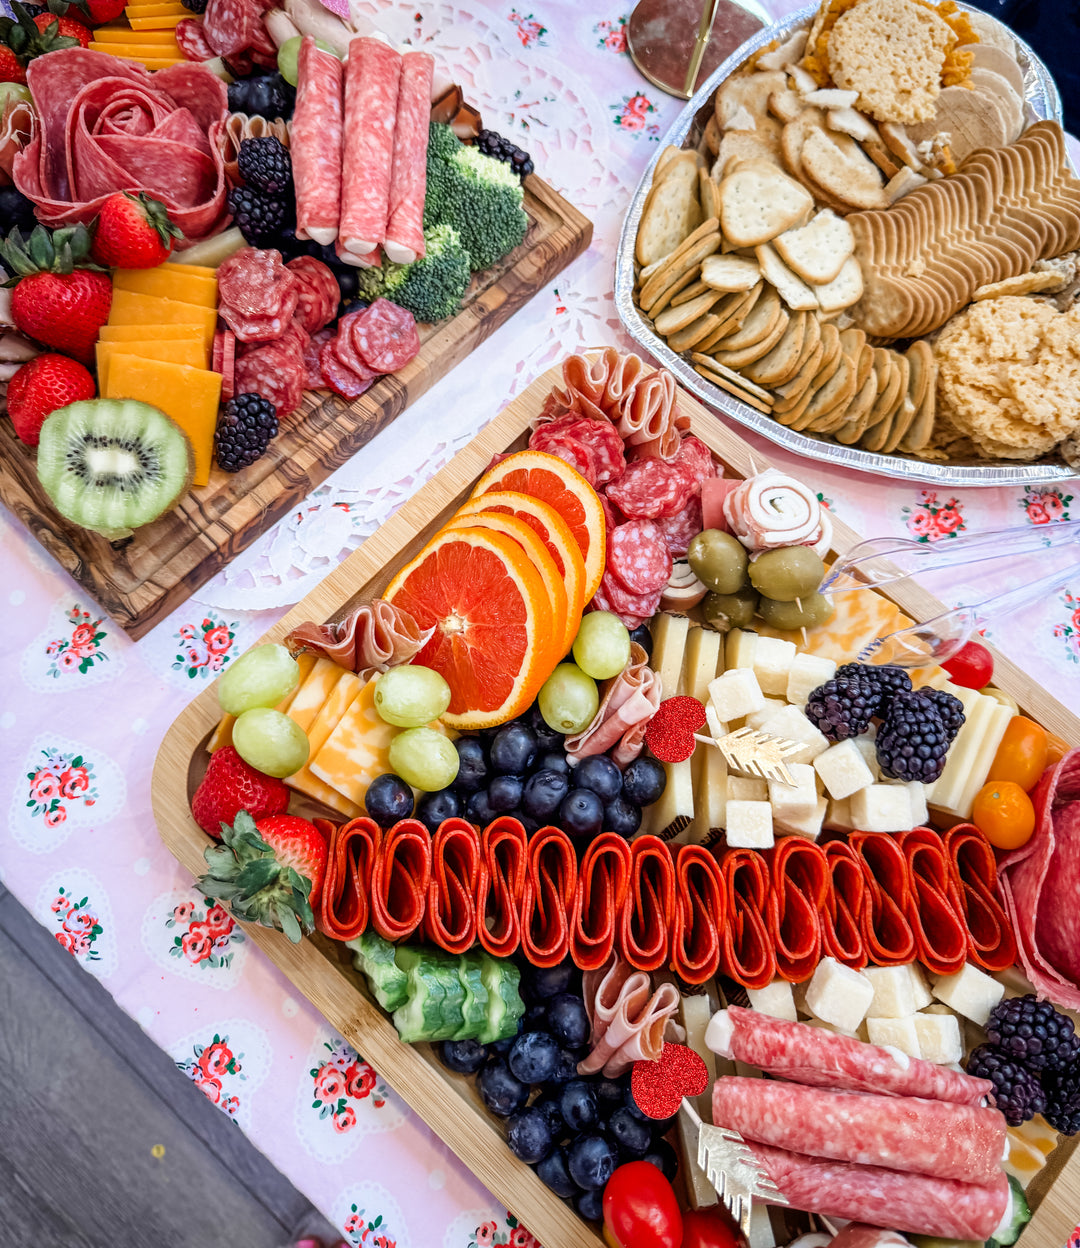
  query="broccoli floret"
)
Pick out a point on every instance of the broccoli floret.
point(443, 146)
point(371, 283)
point(443, 143)
point(479, 196)
point(431, 287)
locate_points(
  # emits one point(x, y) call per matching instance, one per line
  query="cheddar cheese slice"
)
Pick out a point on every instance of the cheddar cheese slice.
point(179, 351)
point(358, 749)
point(136, 333)
point(129, 308)
point(222, 734)
point(346, 688)
point(141, 38)
point(313, 693)
point(198, 270)
point(153, 57)
point(159, 23)
point(169, 282)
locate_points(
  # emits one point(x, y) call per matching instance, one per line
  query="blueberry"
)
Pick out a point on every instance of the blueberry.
point(388, 799)
point(622, 816)
point(478, 809)
point(499, 1090)
point(643, 781)
point(577, 1101)
point(529, 1135)
point(546, 737)
point(664, 1158)
point(513, 749)
point(502, 1046)
point(536, 1017)
point(581, 813)
point(568, 1020)
point(591, 1160)
point(543, 793)
point(530, 824)
point(565, 1067)
point(549, 1107)
point(533, 1057)
point(590, 1205)
point(643, 638)
point(472, 765)
point(504, 793)
point(16, 210)
point(598, 773)
point(609, 1097)
point(348, 280)
point(632, 1105)
point(552, 760)
point(546, 982)
point(554, 1172)
point(464, 1056)
point(433, 808)
point(632, 1135)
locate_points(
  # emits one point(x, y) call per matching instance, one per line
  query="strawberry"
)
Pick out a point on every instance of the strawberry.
point(60, 298)
point(67, 27)
point(42, 385)
point(133, 232)
point(230, 786)
point(11, 68)
point(93, 11)
point(24, 37)
point(270, 869)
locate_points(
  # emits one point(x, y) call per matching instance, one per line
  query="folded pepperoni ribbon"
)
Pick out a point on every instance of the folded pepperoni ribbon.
point(400, 880)
point(886, 931)
point(973, 871)
point(548, 896)
point(799, 889)
point(599, 900)
point(841, 916)
point(649, 913)
point(344, 907)
point(699, 917)
point(451, 916)
point(746, 948)
point(940, 934)
point(504, 849)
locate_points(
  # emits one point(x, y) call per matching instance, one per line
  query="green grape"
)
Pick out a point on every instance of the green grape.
point(14, 91)
point(424, 758)
point(410, 696)
point(262, 676)
point(602, 645)
point(270, 741)
point(288, 58)
point(568, 699)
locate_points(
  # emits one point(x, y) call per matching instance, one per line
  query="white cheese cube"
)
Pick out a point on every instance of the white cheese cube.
point(838, 1031)
point(749, 825)
point(895, 1033)
point(881, 808)
point(736, 694)
point(756, 718)
point(940, 1040)
point(806, 673)
point(790, 722)
point(838, 816)
point(739, 649)
point(747, 789)
point(798, 800)
point(894, 992)
point(838, 995)
point(916, 792)
point(775, 999)
point(867, 747)
point(772, 662)
point(714, 725)
point(807, 826)
point(970, 992)
point(919, 987)
point(843, 769)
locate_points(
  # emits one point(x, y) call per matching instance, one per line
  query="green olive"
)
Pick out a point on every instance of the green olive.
point(727, 611)
point(816, 609)
point(788, 573)
point(718, 561)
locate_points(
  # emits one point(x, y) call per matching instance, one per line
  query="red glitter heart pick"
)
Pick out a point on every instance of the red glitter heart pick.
point(659, 1087)
point(670, 734)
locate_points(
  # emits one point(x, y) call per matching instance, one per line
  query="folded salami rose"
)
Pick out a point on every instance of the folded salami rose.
point(599, 900)
point(628, 1018)
point(746, 948)
point(628, 702)
point(1040, 884)
point(400, 880)
point(108, 125)
point(594, 387)
point(374, 637)
point(700, 917)
point(841, 916)
point(504, 856)
point(799, 874)
point(940, 935)
point(886, 931)
point(977, 896)
point(344, 908)
point(546, 901)
point(450, 919)
point(649, 913)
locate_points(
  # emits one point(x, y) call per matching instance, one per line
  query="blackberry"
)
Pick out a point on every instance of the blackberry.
point(259, 216)
point(843, 707)
point(244, 429)
point(494, 144)
point(194, 6)
point(912, 742)
point(266, 165)
point(268, 95)
point(1034, 1033)
point(950, 708)
point(1017, 1092)
point(1062, 1089)
point(15, 210)
point(889, 680)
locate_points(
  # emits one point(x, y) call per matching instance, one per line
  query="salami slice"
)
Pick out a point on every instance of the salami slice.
point(276, 372)
point(261, 45)
point(842, 914)
point(695, 459)
point(973, 870)
point(505, 851)
point(579, 455)
point(385, 336)
point(799, 874)
point(649, 915)
point(599, 900)
point(940, 935)
point(339, 377)
point(746, 950)
point(450, 918)
point(886, 931)
point(372, 76)
point(314, 379)
point(638, 557)
point(344, 909)
point(191, 39)
point(400, 880)
point(695, 943)
point(622, 602)
point(680, 529)
point(597, 434)
point(345, 346)
point(295, 337)
point(408, 170)
point(228, 25)
point(550, 884)
point(601, 602)
point(315, 142)
point(318, 292)
point(257, 295)
point(651, 488)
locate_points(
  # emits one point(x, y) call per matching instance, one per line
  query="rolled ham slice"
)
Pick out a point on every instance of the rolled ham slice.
point(962, 1142)
point(316, 143)
point(408, 172)
point(825, 1059)
point(648, 421)
point(628, 1018)
point(628, 702)
point(596, 387)
point(16, 130)
point(374, 638)
point(772, 509)
point(372, 76)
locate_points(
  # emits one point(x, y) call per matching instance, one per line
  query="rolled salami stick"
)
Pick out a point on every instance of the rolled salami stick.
point(315, 143)
point(371, 92)
point(408, 176)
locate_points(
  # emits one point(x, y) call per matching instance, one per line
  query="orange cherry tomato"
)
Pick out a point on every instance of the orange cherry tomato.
point(1056, 750)
point(1003, 813)
point(1021, 756)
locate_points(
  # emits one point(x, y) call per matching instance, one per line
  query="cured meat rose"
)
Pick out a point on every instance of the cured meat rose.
point(374, 638)
point(628, 1018)
point(408, 173)
point(961, 1142)
point(371, 91)
point(315, 143)
point(107, 125)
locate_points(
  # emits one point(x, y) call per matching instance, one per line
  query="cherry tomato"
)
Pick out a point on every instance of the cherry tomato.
point(1003, 813)
point(971, 666)
point(709, 1228)
point(1021, 756)
point(1056, 749)
point(640, 1208)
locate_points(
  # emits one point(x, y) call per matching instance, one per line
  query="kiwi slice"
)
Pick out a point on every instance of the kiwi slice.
point(111, 465)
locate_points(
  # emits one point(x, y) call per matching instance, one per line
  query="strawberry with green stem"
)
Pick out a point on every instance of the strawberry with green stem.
point(22, 38)
point(133, 232)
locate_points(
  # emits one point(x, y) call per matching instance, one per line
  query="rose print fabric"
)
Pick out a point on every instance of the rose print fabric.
point(83, 709)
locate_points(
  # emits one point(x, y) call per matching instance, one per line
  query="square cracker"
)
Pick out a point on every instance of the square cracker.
point(672, 211)
point(758, 202)
point(817, 251)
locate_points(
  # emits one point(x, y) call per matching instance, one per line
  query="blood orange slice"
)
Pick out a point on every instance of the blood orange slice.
point(551, 479)
point(492, 618)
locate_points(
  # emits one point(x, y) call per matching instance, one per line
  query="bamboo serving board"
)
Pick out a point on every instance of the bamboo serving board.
point(142, 581)
point(321, 968)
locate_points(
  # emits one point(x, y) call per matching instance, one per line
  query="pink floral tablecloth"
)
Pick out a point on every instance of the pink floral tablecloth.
point(83, 709)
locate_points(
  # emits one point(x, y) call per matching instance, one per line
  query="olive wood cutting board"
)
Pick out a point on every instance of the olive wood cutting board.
point(321, 968)
point(141, 581)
